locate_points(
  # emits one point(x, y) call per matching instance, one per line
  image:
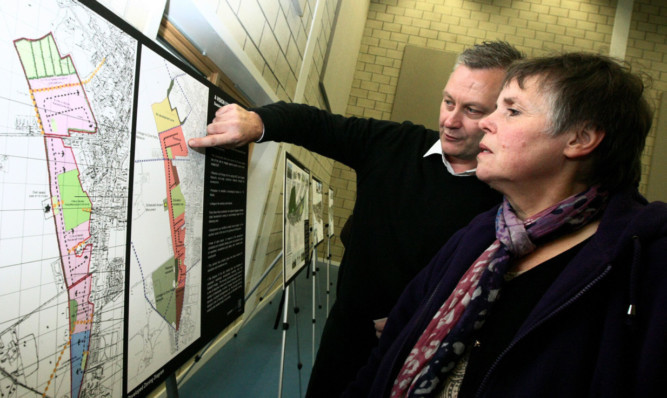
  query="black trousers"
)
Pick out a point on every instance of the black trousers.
point(346, 344)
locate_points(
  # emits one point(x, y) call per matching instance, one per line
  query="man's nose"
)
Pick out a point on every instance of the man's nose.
point(453, 119)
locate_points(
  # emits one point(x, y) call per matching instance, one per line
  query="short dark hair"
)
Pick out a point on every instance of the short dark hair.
point(594, 91)
point(489, 55)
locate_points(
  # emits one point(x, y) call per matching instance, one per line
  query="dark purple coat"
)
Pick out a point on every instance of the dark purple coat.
point(579, 339)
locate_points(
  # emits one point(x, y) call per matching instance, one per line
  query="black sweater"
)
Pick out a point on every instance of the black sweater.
point(407, 206)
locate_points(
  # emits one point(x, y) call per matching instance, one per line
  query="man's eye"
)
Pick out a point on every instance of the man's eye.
point(474, 113)
point(513, 112)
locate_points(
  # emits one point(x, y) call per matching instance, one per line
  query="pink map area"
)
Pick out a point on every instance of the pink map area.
point(62, 107)
point(173, 144)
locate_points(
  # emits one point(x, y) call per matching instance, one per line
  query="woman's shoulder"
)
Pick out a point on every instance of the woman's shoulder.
point(630, 216)
point(650, 220)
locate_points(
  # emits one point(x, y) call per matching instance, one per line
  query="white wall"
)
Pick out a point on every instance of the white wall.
point(342, 57)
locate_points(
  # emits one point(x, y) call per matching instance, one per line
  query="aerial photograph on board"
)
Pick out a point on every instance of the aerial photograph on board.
point(296, 217)
point(318, 212)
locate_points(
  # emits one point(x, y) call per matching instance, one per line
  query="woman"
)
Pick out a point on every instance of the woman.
point(562, 290)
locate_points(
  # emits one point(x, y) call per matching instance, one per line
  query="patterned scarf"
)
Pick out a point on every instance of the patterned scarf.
point(445, 339)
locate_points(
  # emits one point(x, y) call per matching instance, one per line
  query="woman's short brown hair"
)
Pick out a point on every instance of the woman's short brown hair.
point(595, 91)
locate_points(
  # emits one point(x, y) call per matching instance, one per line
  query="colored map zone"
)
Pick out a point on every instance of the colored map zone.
point(169, 278)
point(62, 108)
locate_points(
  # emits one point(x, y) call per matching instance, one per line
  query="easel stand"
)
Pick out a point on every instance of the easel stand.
point(284, 302)
point(328, 270)
point(264, 275)
point(314, 265)
point(285, 327)
point(172, 386)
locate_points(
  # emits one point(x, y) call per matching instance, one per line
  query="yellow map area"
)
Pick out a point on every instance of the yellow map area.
point(166, 118)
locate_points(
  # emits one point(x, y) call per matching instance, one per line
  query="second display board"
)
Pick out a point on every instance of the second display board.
point(303, 216)
point(296, 223)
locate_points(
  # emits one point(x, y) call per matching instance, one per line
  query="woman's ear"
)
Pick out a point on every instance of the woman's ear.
point(583, 141)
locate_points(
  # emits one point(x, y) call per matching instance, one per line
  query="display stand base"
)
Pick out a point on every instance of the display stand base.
point(172, 386)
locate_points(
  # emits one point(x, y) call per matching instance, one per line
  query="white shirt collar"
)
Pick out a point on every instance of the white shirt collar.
point(436, 149)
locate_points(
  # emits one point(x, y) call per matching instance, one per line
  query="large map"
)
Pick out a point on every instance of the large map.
point(66, 108)
point(107, 281)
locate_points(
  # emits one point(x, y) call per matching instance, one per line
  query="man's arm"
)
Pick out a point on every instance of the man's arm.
point(350, 140)
point(232, 127)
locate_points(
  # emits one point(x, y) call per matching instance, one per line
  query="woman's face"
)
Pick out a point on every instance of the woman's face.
point(516, 151)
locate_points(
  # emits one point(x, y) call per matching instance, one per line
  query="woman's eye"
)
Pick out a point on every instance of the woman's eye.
point(512, 112)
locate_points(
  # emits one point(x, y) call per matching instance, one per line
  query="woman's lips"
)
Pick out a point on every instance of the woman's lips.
point(484, 149)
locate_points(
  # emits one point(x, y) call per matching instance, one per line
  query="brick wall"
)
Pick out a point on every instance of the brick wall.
point(647, 53)
point(535, 27)
point(274, 36)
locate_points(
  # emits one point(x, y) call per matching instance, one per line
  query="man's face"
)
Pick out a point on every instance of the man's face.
point(470, 94)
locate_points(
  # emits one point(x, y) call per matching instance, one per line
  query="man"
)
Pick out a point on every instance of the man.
point(415, 188)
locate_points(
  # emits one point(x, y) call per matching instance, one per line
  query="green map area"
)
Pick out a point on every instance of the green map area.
point(76, 204)
point(164, 283)
point(177, 201)
point(41, 59)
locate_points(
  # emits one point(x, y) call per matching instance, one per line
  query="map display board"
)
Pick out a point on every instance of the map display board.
point(331, 212)
point(318, 211)
point(167, 216)
point(295, 213)
point(108, 282)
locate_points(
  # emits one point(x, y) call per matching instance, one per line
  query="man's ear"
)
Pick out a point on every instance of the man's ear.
point(582, 141)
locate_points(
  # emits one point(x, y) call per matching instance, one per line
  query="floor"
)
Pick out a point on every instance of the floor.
point(249, 364)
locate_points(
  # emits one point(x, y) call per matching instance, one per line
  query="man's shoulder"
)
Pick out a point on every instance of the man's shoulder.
point(412, 129)
point(405, 134)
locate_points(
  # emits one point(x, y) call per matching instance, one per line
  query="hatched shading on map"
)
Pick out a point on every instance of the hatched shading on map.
point(62, 108)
